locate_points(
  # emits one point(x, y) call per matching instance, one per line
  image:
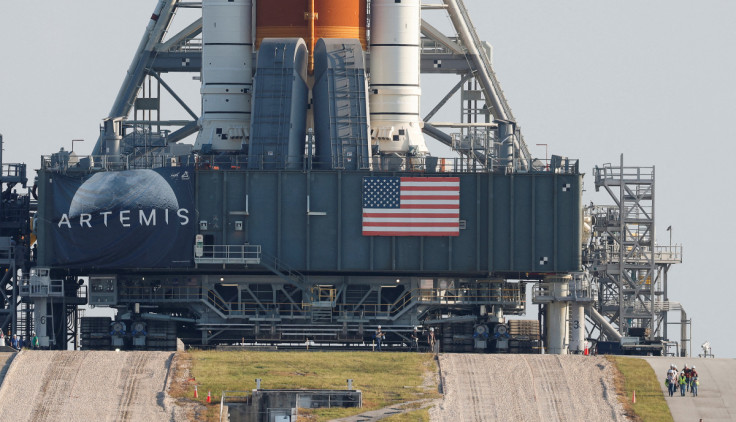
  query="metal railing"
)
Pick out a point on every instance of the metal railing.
point(608, 173)
point(227, 254)
point(424, 164)
point(577, 290)
point(160, 293)
point(13, 170)
point(252, 308)
point(47, 288)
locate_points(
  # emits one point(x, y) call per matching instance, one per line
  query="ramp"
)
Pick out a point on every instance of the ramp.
point(716, 401)
point(87, 386)
point(526, 388)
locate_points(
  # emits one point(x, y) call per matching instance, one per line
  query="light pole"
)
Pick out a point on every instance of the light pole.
point(546, 162)
point(669, 229)
point(76, 140)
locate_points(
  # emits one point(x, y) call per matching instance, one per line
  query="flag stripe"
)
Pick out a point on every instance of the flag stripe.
point(409, 215)
point(375, 221)
point(432, 197)
point(446, 225)
point(404, 229)
point(407, 211)
point(430, 206)
point(432, 188)
point(430, 179)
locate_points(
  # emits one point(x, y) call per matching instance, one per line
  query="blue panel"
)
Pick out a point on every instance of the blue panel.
point(263, 222)
point(280, 92)
point(355, 254)
point(407, 253)
point(436, 254)
point(293, 217)
point(340, 105)
point(463, 246)
point(501, 223)
point(569, 222)
point(531, 222)
point(544, 249)
point(523, 223)
point(323, 228)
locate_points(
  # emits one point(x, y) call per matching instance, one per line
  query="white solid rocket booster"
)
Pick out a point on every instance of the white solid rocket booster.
point(395, 65)
point(227, 75)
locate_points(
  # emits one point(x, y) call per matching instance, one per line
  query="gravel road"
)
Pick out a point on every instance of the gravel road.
point(88, 386)
point(526, 388)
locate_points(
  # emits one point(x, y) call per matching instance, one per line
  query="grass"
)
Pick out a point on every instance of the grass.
point(420, 415)
point(384, 378)
point(634, 374)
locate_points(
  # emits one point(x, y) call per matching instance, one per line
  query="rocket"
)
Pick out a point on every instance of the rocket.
point(394, 73)
point(393, 96)
point(227, 75)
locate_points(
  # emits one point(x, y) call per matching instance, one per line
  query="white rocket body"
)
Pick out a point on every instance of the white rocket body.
point(394, 68)
point(227, 75)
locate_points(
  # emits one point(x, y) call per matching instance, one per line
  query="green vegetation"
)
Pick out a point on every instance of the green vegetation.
point(384, 378)
point(421, 415)
point(637, 375)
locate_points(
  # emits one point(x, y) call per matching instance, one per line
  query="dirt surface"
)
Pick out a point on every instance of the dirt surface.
point(526, 388)
point(88, 386)
point(716, 400)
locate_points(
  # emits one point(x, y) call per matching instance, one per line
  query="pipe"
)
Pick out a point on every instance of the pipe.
point(609, 330)
point(311, 16)
point(157, 317)
point(683, 333)
point(492, 97)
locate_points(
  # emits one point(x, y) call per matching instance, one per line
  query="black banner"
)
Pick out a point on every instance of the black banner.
point(123, 219)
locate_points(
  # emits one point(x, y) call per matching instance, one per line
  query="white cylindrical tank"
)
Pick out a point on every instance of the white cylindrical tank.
point(556, 315)
point(227, 75)
point(394, 67)
point(577, 327)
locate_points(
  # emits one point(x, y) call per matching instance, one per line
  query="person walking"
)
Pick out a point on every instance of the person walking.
point(415, 339)
point(672, 380)
point(2, 339)
point(681, 380)
point(34, 341)
point(687, 377)
point(380, 336)
point(694, 381)
point(14, 342)
point(431, 339)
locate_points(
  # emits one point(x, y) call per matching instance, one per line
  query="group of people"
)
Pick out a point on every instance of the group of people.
point(380, 336)
point(686, 380)
point(17, 343)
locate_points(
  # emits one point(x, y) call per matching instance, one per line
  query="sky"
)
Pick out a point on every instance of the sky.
point(651, 80)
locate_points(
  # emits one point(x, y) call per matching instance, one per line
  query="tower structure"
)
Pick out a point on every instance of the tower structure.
point(623, 256)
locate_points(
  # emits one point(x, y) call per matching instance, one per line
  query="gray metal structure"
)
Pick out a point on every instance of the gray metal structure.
point(630, 269)
point(465, 56)
point(282, 258)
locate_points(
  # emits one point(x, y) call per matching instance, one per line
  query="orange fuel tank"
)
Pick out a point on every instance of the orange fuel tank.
point(311, 20)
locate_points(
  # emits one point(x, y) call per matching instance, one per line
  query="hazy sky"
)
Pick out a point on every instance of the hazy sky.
point(653, 80)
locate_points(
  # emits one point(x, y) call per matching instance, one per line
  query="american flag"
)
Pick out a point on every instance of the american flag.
point(411, 206)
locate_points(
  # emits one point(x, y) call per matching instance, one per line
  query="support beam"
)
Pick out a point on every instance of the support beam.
point(433, 33)
point(173, 94)
point(186, 34)
point(447, 97)
point(142, 59)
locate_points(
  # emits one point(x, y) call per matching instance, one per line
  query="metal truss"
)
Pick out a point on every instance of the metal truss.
point(630, 269)
point(133, 126)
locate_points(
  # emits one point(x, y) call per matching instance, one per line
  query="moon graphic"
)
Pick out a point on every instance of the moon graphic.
point(123, 190)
